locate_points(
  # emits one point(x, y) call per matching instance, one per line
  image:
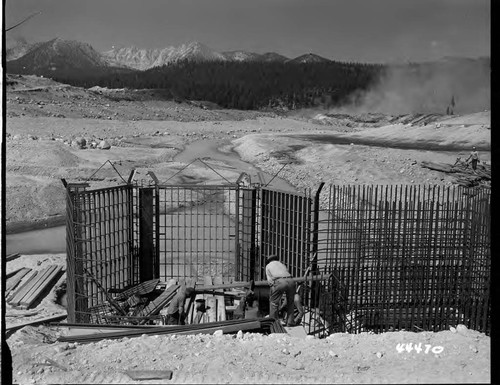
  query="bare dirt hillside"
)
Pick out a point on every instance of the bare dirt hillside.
point(45, 118)
point(45, 124)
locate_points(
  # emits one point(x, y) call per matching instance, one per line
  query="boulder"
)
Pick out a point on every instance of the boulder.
point(79, 142)
point(104, 145)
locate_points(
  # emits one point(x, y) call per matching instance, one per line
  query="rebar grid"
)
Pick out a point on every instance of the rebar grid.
point(399, 257)
point(409, 257)
point(198, 231)
point(99, 247)
point(285, 230)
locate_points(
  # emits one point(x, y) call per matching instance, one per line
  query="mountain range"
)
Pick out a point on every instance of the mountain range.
point(61, 55)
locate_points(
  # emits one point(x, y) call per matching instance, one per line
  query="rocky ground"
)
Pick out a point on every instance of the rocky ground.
point(45, 124)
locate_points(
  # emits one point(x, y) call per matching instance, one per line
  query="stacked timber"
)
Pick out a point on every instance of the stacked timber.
point(15, 278)
point(26, 287)
point(218, 300)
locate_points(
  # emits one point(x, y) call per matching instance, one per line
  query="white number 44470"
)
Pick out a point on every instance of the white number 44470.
point(418, 348)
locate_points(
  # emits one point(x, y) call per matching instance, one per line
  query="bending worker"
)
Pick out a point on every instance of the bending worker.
point(281, 282)
point(474, 158)
point(176, 312)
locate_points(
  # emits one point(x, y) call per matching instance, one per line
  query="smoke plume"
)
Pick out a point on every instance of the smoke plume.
point(453, 86)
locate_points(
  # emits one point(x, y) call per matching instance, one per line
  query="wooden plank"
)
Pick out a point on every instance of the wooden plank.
point(197, 316)
point(14, 280)
point(212, 309)
point(13, 273)
point(208, 306)
point(14, 295)
point(53, 318)
point(11, 257)
point(37, 289)
point(191, 312)
point(190, 305)
point(221, 303)
point(47, 284)
point(29, 286)
point(443, 167)
point(42, 277)
point(139, 375)
point(160, 302)
point(221, 308)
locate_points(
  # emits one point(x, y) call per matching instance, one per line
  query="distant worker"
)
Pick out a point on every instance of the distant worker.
point(280, 281)
point(176, 312)
point(474, 158)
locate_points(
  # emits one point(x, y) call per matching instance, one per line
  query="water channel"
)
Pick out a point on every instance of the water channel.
point(52, 240)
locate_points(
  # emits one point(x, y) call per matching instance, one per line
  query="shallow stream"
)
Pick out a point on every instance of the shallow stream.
point(52, 240)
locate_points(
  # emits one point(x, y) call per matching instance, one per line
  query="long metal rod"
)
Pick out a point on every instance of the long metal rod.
point(250, 284)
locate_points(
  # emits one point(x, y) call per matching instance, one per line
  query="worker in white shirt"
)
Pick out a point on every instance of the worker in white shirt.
point(280, 281)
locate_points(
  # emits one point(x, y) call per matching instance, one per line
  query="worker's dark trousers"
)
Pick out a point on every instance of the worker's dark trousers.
point(280, 286)
point(174, 319)
point(300, 309)
point(474, 163)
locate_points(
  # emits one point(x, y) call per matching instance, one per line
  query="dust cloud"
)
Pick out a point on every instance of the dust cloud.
point(452, 85)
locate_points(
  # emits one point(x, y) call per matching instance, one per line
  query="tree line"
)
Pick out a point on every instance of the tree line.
point(245, 85)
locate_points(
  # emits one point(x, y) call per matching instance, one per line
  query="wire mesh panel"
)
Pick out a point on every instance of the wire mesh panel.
point(285, 230)
point(409, 257)
point(198, 231)
point(99, 248)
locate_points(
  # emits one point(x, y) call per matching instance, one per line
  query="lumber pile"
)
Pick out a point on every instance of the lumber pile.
point(14, 278)
point(26, 287)
point(215, 300)
point(464, 174)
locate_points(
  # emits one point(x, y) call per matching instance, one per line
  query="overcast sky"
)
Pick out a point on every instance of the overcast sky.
point(345, 30)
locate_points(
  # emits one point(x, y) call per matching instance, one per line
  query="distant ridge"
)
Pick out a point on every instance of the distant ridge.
point(241, 56)
point(272, 56)
point(17, 48)
point(143, 59)
point(67, 57)
point(58, 55)
point(310, 58)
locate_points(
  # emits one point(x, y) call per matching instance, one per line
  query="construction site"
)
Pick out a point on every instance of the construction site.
point(388, 239)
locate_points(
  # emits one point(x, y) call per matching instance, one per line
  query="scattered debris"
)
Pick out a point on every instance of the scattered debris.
point(465, 175)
